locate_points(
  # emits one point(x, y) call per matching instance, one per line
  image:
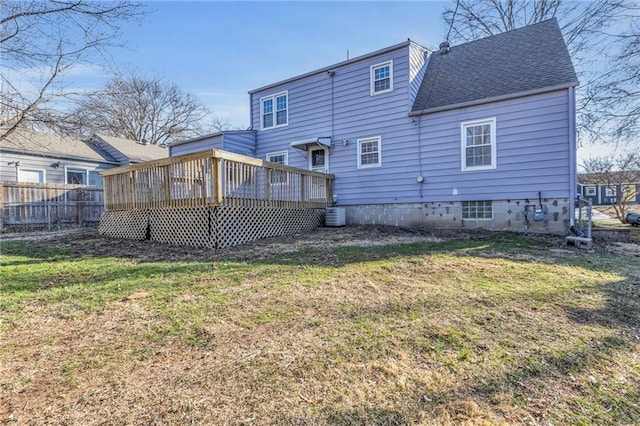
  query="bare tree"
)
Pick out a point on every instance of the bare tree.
point(40, 41)
point(589, 29)
point(132, 107)
point(616, 95)
point(219, 124)
point(619, 174)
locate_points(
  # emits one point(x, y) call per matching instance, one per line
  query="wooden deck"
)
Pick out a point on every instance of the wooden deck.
point(212, 198)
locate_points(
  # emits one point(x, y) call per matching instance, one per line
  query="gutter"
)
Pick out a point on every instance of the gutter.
point(494, 99)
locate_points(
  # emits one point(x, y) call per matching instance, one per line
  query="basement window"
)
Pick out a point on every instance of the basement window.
point(477, 210)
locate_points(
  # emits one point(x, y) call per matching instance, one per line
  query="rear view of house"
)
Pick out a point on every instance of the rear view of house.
point(479, 135)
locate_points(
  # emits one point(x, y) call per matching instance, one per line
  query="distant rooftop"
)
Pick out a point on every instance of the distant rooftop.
point(49, 145)
point(135, 151)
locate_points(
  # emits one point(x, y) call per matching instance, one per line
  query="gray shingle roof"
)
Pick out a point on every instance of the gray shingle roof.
point(523, 60)
point(134, 151)
point(44, 144)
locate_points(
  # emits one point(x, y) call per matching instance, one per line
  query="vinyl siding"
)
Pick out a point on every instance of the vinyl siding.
point(532, 151)
point(214, 142)
point(8, 173)
point(418, 60)
point(240, 142)
point(532, 140)
point(357, 115)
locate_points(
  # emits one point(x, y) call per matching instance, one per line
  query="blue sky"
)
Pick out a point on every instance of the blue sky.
point(220, 50)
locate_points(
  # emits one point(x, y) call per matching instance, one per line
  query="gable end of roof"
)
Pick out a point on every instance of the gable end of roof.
point(532, 59)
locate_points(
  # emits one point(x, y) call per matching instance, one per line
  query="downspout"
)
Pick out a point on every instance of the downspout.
point(255, 137)
point(421, 175)
point(251, 110)
point(572, 155)
point(332, 75)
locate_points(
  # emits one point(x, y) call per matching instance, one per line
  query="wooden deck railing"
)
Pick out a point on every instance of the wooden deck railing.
point(214, 177)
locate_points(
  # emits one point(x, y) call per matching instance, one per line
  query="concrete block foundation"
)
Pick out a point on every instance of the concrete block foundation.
point(508, 215)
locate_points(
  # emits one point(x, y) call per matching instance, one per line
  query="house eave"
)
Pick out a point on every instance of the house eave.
point(337, 65)
point(494, 99)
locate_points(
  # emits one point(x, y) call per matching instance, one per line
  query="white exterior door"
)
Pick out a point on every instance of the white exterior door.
point(319, 159)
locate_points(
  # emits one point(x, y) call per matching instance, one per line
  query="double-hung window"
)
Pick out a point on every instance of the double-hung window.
point(381, 78)
point(370, 152)
point(274, 110)
point(590, 191)
point(479, 145)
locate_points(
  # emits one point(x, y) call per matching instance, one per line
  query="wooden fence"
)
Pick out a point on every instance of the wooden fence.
point(212, 198)
point(28, 206)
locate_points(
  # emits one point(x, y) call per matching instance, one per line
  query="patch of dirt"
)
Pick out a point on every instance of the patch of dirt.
point(88, 241)
point(45, 235)
point(625, 249)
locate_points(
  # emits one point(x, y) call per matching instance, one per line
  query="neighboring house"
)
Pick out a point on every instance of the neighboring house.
point(35, 157)
point(472, 135)
point(593, 187)
point(127, 151)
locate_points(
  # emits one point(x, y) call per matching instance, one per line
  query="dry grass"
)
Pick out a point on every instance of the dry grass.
point(349, 326)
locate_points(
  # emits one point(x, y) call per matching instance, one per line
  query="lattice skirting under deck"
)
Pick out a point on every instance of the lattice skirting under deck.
point(213, 227)
point(238, 225)
point(127, 224)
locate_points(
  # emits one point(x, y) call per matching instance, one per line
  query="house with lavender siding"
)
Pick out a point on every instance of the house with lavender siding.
point(477, 135)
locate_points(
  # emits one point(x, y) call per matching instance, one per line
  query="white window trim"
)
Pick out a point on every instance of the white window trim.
point(76, 169)
point(476, 218)
point(273, 154)
point(463, 144)
point(372, 77)
point(275, 111)
point(609, 192)
point(369, 166)
point(31, 169)
point(590, 191)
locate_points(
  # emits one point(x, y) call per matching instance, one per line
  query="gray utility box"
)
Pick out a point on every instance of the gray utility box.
point(335, 216)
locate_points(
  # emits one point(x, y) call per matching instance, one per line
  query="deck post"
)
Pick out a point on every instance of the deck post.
point(216, 180)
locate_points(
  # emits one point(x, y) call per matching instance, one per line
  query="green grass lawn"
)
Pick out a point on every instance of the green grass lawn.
point(490, 329)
